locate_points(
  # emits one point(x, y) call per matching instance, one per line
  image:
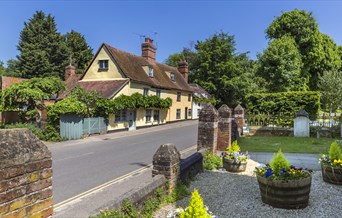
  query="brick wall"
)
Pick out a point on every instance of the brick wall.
point(207, 128)
point(25, 175)
point(224, 128)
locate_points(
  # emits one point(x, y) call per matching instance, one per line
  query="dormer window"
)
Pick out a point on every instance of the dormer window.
point(172, 76)
point(103, 65)
point(150, 72)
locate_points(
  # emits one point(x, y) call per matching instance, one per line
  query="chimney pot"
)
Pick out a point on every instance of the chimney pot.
point(148, 50)
point(69, 70)
point(183, 69)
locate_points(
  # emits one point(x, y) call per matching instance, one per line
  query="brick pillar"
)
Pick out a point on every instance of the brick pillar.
point(239, 115)
point(207, 128)
point(166, 161)
point(224, 128)
point(25, 175)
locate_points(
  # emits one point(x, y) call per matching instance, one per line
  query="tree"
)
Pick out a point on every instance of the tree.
point(224, 74)
point(319, 52)
point(80, 52)
point(30, 94)
point(13, 68)
point(188, 54)
point(280, 66)
point(330, 84)
point(42, 49)
point(2, 69)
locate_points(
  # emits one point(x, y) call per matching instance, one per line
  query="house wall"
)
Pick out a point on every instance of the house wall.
point(93, 72)
point(178, 105)
point(196, 107)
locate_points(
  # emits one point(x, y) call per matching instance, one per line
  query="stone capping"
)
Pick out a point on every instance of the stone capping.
point(20, 147)
point(302, 113)
point(224, 112)
point(208, 113)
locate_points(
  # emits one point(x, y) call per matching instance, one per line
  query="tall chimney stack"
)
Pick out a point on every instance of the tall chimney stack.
point(184, 69)
point(69, 70)
point(149, 50)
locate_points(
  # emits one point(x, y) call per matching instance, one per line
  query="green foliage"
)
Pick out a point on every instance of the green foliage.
point(318, 51)
point(196, 207)
point(227, 76)
point(42, 49)
point(335, 152)
point(280, 65)
point(330, 85)
point(211, 161)
point(279, 162)
point(181, 191)
point(285, 103)
point(29, 95)
point(81, 53)
point(234, 147)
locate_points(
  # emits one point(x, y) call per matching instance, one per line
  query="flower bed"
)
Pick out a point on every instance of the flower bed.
point(332, 165)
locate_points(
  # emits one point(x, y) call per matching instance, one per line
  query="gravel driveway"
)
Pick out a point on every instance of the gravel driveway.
point(237, 195)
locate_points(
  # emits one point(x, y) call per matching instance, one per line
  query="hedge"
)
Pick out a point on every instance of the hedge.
point(288, 103)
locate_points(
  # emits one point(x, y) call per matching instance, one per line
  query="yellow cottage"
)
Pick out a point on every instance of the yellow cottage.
point(113, 72)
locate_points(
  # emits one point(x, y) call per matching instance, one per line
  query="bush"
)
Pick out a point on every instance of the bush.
point(335, 152)
point(279, 162)
point(283, 104)
point(234, 148)
point(196, 207)
point(211, 161)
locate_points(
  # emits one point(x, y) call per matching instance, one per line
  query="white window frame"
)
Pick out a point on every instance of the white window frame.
point(158, 93)
point(146, 90)
point(172, 76)
point(148, 115)
point(156, 115)
point(103, 65)
point(120, 116)
point(179, 96)
point(150, 72)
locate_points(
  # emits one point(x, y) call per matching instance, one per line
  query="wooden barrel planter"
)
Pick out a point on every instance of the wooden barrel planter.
point(233, 165)
point(332, 175)
point(291, 194)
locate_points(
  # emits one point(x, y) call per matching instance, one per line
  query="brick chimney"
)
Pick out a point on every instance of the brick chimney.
point(149, 50)
point(183, 69)
point(69, 70)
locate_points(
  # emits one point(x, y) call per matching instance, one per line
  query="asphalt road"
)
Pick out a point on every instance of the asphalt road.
point(84, 164)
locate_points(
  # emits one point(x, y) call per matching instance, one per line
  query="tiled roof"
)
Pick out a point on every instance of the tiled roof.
point(7, 81)
point(132, 67)
point(199, 91)
point(70, 83)
point(106, 88)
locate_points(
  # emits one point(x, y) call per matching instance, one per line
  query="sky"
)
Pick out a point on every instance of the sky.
point(172, 24)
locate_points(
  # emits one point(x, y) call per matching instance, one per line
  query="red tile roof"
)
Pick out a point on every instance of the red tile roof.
point(106, 88)
point(70, 83)
point(132, 67)
point(199, 91)
point(7, 81)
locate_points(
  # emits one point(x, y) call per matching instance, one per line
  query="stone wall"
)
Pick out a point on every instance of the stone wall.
point(207, 128)
point(25, 175)
point(224, 128)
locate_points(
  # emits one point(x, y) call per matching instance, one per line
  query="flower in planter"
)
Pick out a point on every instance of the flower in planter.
point(334, 158)
point(275, 178)
point(234, 153)
point(332, 165)
point(281, 169)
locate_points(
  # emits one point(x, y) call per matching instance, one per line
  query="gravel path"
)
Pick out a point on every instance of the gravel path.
point(237, 195)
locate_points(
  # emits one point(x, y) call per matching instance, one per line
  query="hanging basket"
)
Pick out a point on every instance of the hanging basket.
point(233, 165)
point(291, 194)
point(332, 175)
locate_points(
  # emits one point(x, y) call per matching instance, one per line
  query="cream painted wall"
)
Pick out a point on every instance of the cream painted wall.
point(93, 72)
point(178, 105)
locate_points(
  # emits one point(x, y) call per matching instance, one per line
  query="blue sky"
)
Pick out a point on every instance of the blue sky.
point(177, 23)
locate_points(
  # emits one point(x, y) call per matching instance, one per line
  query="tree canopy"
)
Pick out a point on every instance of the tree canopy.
point(330, 84)
point(280, 66)
point(318, 51)
point(227, 76)
point(80, 52)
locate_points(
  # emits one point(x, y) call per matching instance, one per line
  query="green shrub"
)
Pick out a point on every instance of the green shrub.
point(180, 192)
point(234, 147)
point(279, 162)
point(335, 152)
point(211, 161)
point(196, 207)
point(283, 104)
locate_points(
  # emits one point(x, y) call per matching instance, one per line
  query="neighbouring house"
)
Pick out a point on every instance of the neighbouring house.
point(9, 116)
point(113, 72)
point(199, 95)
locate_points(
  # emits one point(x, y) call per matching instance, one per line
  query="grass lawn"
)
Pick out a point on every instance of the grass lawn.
point(287, 144)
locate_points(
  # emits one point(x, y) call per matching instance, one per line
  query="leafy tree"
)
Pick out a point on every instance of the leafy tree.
point(330, 84)
point(29, 95)
point(319, 52)
point(228, 77)
point(42, 49)
point(13, 68)
point(81, 52)
point(188, 54)
point(280, 66)
point(2, 69)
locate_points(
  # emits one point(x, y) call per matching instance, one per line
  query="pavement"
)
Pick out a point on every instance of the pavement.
point(309, 161)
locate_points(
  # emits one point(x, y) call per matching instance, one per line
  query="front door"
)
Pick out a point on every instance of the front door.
point(131, 119)
point(186, 113)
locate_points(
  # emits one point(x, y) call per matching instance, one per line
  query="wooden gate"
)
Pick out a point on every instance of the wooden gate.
point(74, 127)
point(93, 125)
